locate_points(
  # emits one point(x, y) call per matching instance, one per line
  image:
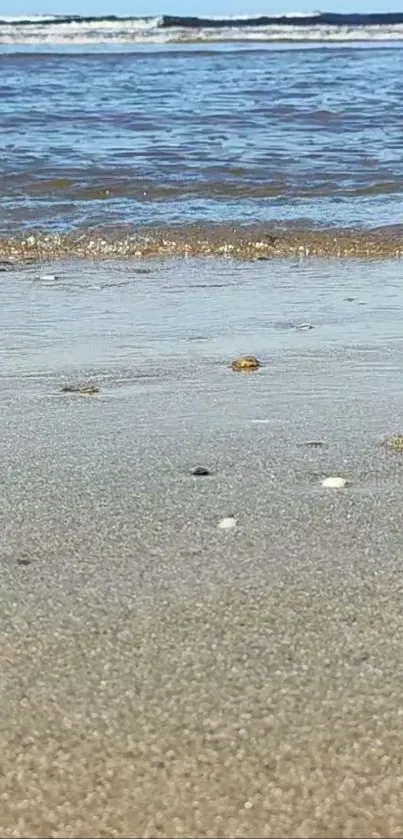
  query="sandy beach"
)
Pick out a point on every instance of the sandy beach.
point(162, 677)
point(200, 655)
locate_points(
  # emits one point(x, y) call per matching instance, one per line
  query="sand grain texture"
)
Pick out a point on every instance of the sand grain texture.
point(161, 677)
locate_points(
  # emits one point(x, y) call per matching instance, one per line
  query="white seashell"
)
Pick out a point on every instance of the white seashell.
point(334, 483)
point(228, 523)
point(304, 327)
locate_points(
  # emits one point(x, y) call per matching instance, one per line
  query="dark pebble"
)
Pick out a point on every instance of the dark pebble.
point(69, 389)
point(200, 470)
point(87, 390)
point(23, 561)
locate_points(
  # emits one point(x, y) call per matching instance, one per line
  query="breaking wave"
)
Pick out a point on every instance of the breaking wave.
point(293, 27)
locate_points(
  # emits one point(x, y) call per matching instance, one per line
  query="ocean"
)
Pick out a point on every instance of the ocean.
point(111, 126)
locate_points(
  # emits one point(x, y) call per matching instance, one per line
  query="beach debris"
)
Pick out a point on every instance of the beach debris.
point(200, 470)
point(227, 523)
point(304, 327)
point(313, 444)
point(81, 390)
point(334, 482)
point(246, 362)
point(48, 278)
point(394, 442)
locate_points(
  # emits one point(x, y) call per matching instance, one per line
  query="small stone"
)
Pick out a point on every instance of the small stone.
point(22, 560)
point(313, 444)
point(227, 523)
point(246, 362)
point(200, 470)
point(334, 482)
point(349, 299)
point(304, 327)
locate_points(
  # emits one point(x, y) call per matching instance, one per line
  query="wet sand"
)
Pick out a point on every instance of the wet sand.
point(161, 677)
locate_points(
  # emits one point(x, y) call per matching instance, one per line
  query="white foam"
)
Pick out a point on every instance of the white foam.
point(27, 18)
point(148, 31)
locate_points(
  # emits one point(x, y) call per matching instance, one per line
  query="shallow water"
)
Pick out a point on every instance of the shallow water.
point(174, 321)
point(104, 139)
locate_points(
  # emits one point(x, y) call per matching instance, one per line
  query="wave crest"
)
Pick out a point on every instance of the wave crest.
point(304, 26)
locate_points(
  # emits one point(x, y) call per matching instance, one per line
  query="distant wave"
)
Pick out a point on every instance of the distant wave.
point(312, 26)
point(184, 22)
point(303, 19)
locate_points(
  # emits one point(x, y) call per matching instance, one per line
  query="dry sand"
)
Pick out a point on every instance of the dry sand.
point(161, 677)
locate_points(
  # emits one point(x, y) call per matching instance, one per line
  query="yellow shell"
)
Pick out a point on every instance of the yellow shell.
point(88, 391)
point(395, 442)
point(247, 362)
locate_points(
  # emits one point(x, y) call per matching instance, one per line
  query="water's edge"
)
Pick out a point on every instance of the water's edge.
point(251, 242)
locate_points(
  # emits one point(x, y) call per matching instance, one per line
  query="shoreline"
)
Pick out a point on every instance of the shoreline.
point(238, 242)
